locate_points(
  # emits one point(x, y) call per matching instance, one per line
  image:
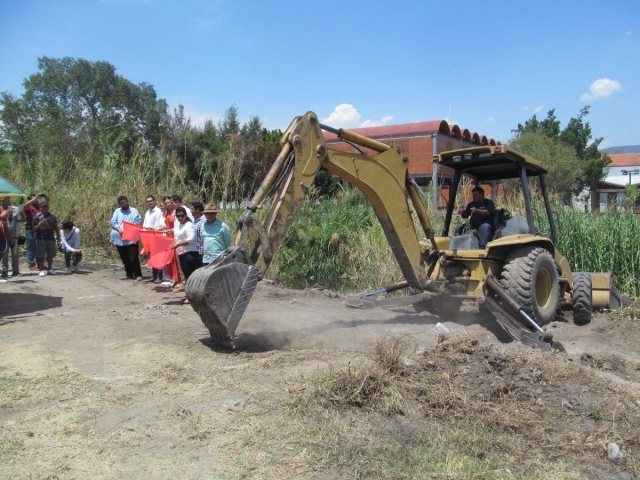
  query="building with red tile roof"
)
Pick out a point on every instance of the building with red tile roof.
point(421, 141)
point(623, 170)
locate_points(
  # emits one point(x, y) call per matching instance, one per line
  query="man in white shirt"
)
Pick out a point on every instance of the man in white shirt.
point(153, 217)
point(153, 220)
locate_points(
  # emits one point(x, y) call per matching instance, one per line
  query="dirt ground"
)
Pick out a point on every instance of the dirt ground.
point(102, 377)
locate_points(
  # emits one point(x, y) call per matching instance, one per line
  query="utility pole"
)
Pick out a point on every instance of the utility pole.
point(631, 172)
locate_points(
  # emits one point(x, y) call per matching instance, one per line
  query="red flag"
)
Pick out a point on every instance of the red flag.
point(159, 244)
point(130, 231)
point(159, 260)
point(147, 239)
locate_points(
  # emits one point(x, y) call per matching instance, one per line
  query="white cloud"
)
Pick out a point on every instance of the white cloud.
point(346, 115)
point(524, 108)
point(450, 122)
point(377, 123)
point(489, 120)
point(629, 32)
point(538, 109)
point(600, 89)
point(603, 144)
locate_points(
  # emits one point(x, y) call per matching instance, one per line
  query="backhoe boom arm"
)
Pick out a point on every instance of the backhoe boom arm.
point(383, 178)
point(220, 292)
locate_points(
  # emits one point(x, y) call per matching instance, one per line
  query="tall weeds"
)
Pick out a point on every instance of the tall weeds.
point(329, 238)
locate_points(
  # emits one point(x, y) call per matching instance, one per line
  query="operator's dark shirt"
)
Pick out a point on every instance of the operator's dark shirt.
point(476, 219)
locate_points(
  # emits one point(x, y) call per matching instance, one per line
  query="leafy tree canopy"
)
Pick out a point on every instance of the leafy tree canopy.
point(71, 105)
point(572, 157)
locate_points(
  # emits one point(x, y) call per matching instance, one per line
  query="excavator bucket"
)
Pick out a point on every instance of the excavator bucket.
point(220, 293)
point(603, 293)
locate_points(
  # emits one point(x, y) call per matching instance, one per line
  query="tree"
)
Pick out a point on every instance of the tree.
point(72, 105)
point(544, 139)
point(565, 168)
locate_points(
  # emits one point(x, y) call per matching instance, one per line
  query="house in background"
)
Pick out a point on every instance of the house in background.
point(623, 170)
point(421, 141)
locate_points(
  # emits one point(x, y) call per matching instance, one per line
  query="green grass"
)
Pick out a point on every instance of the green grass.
point(609, 242)
point(326, 240)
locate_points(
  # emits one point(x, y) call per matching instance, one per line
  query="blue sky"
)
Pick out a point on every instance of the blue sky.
point(353, 62)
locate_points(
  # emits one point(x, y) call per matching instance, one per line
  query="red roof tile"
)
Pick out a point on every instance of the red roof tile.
point(411, 129)
point(398, 130)
point(624, 160)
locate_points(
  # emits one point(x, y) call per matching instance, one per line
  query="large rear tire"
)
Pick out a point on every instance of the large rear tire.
point(530, 276)
point(582, 300)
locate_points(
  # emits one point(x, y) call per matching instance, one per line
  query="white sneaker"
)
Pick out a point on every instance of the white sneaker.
point(75, 268)
point(67, 271)
point(3, 280)
point(168, 283)
point(42, 273)
point(52, 272)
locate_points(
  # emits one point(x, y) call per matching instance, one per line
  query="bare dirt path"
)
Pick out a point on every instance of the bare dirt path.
point(102, 377)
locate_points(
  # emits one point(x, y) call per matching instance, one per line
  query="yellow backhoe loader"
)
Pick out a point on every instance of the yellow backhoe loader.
point(519, 277)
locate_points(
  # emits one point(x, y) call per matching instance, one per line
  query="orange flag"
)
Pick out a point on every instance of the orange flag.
point(159, 260)
point(147, 239)
point(159, 244)
point(130, 231)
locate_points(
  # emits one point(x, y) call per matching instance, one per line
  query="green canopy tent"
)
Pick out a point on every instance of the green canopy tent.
point(8, 189)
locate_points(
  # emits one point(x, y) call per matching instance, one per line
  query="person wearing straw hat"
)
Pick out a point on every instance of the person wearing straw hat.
point(215, 234)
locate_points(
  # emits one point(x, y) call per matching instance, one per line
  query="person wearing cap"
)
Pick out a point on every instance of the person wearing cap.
point(215, 234)
point(45, 227)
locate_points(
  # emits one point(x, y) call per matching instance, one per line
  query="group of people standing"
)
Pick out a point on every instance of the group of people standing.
point(199, 237)
point(43, 237)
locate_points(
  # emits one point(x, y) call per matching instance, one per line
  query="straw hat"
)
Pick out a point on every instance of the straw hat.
point(211, 208)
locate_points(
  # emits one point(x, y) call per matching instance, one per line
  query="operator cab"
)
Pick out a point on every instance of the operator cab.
point(488, 164)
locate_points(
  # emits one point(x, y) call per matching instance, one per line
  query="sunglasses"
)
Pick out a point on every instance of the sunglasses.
point(180, 216)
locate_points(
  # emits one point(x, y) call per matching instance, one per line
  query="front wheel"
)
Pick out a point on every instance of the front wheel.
point(530, 276)
point(581, 296)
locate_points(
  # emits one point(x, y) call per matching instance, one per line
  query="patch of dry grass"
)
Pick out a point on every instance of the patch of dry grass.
point(19, 390)
point(467, 411)
point(630, 313)
point(368, 384)
point(173, 372)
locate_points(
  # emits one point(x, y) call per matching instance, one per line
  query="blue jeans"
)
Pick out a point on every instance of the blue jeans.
point(485, 232)
point(31, 247)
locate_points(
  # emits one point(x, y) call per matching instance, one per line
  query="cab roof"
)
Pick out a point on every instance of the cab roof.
point(490, 162)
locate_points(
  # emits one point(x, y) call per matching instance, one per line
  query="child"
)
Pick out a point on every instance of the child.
point(70, 245)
